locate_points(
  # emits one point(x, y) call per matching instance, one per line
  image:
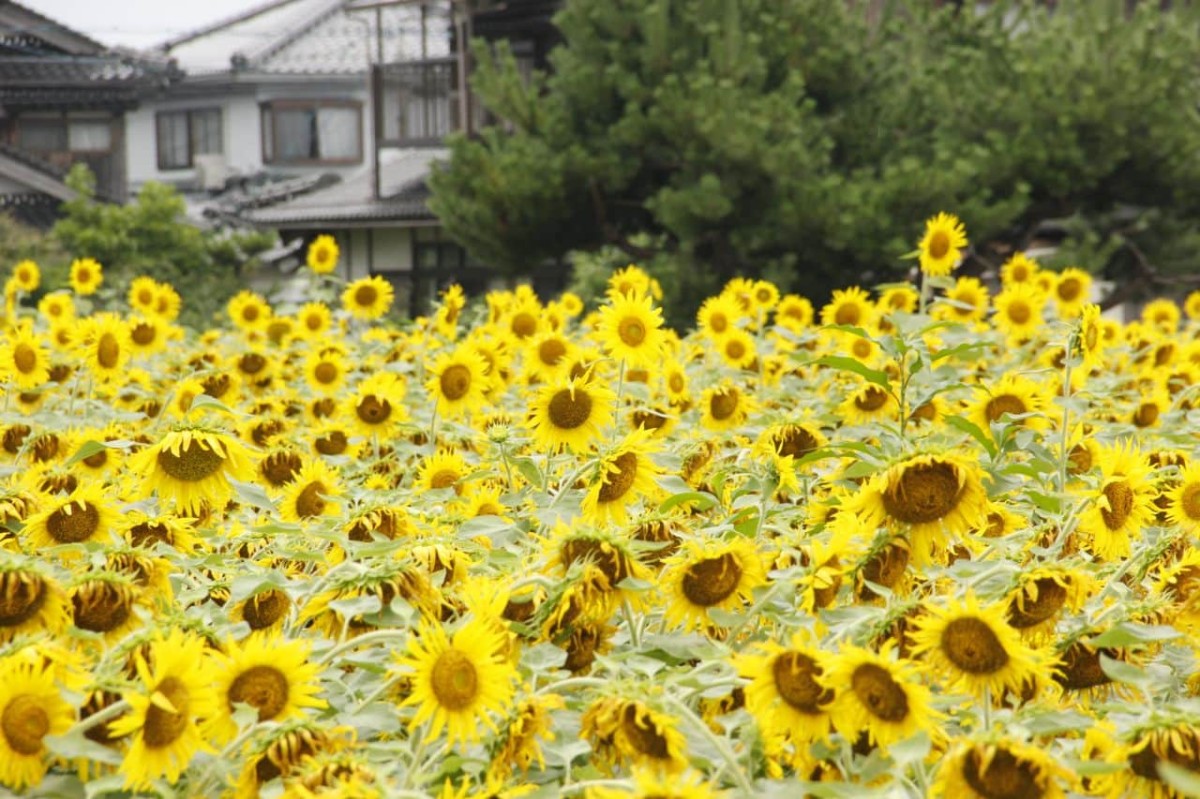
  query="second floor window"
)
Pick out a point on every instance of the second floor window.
point(312, 132)
point(59, 134)
point(182, 135)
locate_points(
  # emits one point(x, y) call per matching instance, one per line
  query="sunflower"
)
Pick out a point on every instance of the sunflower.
point(718, 317)
point(27, 276)
point(280, 752)
point(323, 255)
point(631, 330)
point(611, 553)
point(147, 334)
point(1042, 595)
point(311, 492)
point(794, 312)
point(869, 403)
point(104, 603)
point(877, 694)
point(443, 469)
point(529, 724)
point(548, 356)
point(143, 295)
point(57, 307)
point(1146, 746)
point(102, 341)
point(939, 247)
point(168, 302)
point(976, 648)
point(1162, 314)
point(457, 682)
point(785, 695)
point(1019, 269)
point(902, 298)
point(1019, 311)
point(86, 514)
point(1091, 335)
point(725, 406)
point(377, 404)
point(1183, 500)
point(1012, 395)
point(368, 298)
point(850, 306)
point(313, 318)
point(1000, 769)
point(1072, 289)
point(30, 601)
point(191, 466)
point(175, 691)
point(272, 675)
point(31, 707)
point(738, 349)
point(24, 360)
point(86, 276)
point(965, 301)
point(631, 280)
point(571, 414)
point(631, 730)
point(458, 381)
point(1121, 505)
point(620, 478)
point(710, 574)
point(249, 311)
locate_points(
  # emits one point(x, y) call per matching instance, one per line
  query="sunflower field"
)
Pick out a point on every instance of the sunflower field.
point(921, 541)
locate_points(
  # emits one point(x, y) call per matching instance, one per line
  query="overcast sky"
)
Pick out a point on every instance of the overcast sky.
point(137, 23)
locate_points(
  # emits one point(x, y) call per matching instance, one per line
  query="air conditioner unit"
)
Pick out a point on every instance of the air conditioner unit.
point(211, 171)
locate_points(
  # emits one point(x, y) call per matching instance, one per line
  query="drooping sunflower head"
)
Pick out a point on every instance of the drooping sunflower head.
point(622, 477)
point(877, 695)
point(191, 466)
point(624, 730)
point(710, 574)
point(30, 601)
point(1003, 768)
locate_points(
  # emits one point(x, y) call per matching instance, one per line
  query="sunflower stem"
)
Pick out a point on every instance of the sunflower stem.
point(433, 429)
point(722, 746)
point(507, 467)
point(570, 481)
point(635, 633)
point(362, 640)
point(621, 382)
point(987, 708)
point(571, 682)
point(1063, 456)
point(584, 785)
point(101, 717)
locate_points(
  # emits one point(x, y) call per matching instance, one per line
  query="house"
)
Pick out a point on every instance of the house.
point(63, 100)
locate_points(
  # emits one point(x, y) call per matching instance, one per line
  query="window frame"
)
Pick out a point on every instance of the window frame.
point(270, 131)
point(187, 125)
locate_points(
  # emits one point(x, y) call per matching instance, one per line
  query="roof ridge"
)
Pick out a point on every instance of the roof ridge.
point(225, 22)
point(63, 27)
point(287, 37)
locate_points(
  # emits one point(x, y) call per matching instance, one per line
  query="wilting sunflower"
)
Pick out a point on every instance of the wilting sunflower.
point(86, 276)
point(311, 492)
point(1002, 768)
point(377, 404)
point(976, 648)
point(1019, 311)
point(174, 691)
point(1121, 505)
point(933, 497)
point(368, 298)
point(1042, 595)
point(710, 574)
point(458, 382)
point(622, 730)
point(571, 414)
point(939, 247)
point(279, 752)
point(611, 553)
point(323, 255)
point(1143, 748)
point(850, 306)
point(31, 707)
point(621, 477)
point(191, 466)
point(272, 675)
point(877, 694)
point(784, 694)
point(631, 330)
point(458, 682)
point(725, 406)
point(86, 514)
point(30, 601)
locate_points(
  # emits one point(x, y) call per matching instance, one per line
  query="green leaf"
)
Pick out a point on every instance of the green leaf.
point(1121, 671)
point(252, 494)
point(86, 450)
point(1127, 633)
point(845, 364)
point(1181, 779)
point(529, 470)
point(972, 429)
point(700, 500)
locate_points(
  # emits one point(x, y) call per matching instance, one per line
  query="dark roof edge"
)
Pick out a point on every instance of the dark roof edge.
point(68, 38)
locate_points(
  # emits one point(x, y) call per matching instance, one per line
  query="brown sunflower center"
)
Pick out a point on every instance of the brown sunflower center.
point(315, 322)
point(263, 687)
point(101, 607)
point(1019, 312)
point(724, 404)
point(1091, 336)
point(108, 351)
point(973, 646)
point(939, 244)
point(1146, 414)
point(73, 522)
point(871, 398)
point(1189, 501)
point(551, 351)
point(280, 467)
point(622, 471)
point(1004, 403)
point(373, 410)
point(365, 296)
point(264, 609)
point(163, 727)
point(648, 419)
point(606, 558)
point(45, 447)
point(455, 382)
point(1069, 289)
point(924, 493)
point(144, 534)
point(1032, 608)
point(24, 723)
point(632, 331)
point(881, 695)
point(143, 334)
point(848, 313)
point(884, 568)
point(1004, 777)
point(795, 441)
point(97, 460)
point(22, 595)
point(676, 383)
point(711, 581)
point(25, 358)
point(1079, 460)
point(194, 463)
point(332, 443)
point(735, 349)
point(443, 478)
point(1080, 667)
point(454, 680)
point(309, 502)
point(795, 679)
point(14, 438)
point(252, 363)
point(1178, 747)
point(718, 322)
point(642, 734)
point(524, 324)
point(1120, 504)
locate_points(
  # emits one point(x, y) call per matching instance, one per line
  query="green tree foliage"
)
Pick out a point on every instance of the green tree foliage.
point(801, 140)
point(152, 236)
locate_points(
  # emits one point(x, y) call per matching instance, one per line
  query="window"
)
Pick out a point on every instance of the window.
point(58, 133)
point(182, 135)
point(312, 131)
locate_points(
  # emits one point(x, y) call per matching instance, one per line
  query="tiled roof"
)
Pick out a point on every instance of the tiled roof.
point(26, 30)
point(304, 37)
point(402, 195)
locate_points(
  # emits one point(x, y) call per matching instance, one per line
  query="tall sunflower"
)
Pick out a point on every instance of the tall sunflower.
point(621, 477)
point(323, 253)
point(368, 298)
point(571, 414)
point(31, 707)
point(939, 248)
point(877, 694)
point(631, 330)
point(458, 682)
point(173, 694)
point(86, 276)
point(272, 675)
point(191, 466)
point(710, 574)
